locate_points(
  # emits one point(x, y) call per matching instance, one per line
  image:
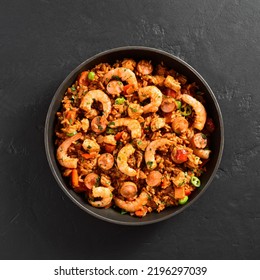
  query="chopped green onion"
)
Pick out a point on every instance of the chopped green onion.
point(133, 109)
point(183, 200)
point(72, 133)
point(110, 131)
point(111, 123)
point(149, 164)
point(91, 75)
point(120, 101)
point(100, 127)
point(115, 77)
point(97, 182)
point(195, 181)
point(73, 88)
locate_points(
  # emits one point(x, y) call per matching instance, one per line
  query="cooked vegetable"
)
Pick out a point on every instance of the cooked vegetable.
point(195, 181)
point(183, 200)
point(91, 76)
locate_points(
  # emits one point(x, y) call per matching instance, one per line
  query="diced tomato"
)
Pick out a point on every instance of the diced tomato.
point(181, 155)
point(88, 156)
point(118, 136)
point(187, 192)
point(168, 117)
point(110, 148)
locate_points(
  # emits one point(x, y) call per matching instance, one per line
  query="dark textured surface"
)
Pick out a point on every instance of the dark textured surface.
point(42, 41)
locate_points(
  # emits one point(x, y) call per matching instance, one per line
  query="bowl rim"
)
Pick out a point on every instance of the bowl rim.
point(76, 70)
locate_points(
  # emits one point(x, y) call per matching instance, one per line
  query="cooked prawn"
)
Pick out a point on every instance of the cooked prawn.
point(100, 192)
point(155, 96)
point(200, 112)
point(122, 158)
point(134, 110)
point(149, 154)
point(132, 206)
point(124, 74)
point(62, 156)
point(96, 95)
point(133, 125)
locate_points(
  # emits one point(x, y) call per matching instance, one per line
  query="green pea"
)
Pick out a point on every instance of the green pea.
point(110, 131)
point(195, 181)
point(178, 103)
point(72, 133)
point(183, 200)
point(120, 101)
point(91, 75)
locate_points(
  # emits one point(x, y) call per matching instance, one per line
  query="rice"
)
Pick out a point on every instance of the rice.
point(126, 184)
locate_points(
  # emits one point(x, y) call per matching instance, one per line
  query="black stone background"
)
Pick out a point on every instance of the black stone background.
point(42, 41)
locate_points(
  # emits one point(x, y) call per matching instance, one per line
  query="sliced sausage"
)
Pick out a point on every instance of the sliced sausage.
point(91, 180)
point(115, 87)
point(154, 178)
point(99, 124)
point(144, 67)
point(106, 161)
point(168, 105)
point(83, 78)
point(199, 140)
point(170, 92)
point(128, 190)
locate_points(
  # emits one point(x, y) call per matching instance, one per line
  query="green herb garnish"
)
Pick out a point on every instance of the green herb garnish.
point(149, 164)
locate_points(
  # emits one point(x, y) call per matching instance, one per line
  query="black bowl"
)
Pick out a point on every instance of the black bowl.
point(157, 56)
